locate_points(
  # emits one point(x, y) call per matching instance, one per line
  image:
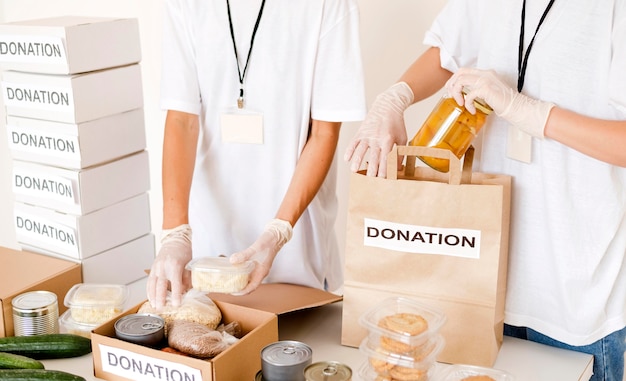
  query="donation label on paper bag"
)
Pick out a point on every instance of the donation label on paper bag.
point(421, 239)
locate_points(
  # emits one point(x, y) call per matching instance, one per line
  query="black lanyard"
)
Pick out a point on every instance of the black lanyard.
point(232, 34)
point(521, 64)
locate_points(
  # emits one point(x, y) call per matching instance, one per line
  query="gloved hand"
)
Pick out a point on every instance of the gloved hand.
point(168, 268)
point(528, 114)
point(382, 128)
point(263, 251)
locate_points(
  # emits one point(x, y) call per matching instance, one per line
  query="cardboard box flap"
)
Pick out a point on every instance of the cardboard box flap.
point(280, 298)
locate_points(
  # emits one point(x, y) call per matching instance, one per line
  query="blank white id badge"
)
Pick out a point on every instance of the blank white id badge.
point(519, 145)
point(242, 126)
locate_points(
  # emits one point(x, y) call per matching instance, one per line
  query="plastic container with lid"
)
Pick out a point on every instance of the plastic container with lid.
point(451, 127)
point(383, 358)
point(92, 303)
point(368, 372)
point(69, 325)
point(217, 274)
point(459, 372)
point(398, 306)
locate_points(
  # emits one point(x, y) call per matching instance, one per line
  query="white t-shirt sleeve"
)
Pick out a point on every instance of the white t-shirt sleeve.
point(179, 83)
point(338, 89)
point(617, 83)
point(455, 31)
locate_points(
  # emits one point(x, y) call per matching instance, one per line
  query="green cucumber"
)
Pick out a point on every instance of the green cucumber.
point(37, 375)
point(13, 361)
point(48, 346)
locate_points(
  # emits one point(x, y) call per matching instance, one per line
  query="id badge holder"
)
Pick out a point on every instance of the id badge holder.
point(519, 145)
point(241, 126)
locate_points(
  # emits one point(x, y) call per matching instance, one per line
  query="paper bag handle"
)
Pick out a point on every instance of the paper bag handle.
point(455, 174)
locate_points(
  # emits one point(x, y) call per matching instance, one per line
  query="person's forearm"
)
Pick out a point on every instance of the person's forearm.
point(179, 156)
point(601, 139)
point(425, 76)
point(311, 170)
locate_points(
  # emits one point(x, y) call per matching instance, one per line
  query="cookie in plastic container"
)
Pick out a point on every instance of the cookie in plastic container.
point(460, 372)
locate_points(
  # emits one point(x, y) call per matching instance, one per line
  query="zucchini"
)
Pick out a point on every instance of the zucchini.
point(47, 346)
point(13, 361)
point(37, 375)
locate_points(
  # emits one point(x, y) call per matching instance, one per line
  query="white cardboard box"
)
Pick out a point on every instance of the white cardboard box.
point(69, 44)
point(123, 264)
point(73, 98)
point(76, 145)
point(83, 236)
point(81, 191)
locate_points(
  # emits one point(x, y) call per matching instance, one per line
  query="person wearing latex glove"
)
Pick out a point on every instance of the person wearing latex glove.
point(568, 214)
point(263, 251)
point(251, 133)
point(528, 114)
point(382, 128)
point(168, 269)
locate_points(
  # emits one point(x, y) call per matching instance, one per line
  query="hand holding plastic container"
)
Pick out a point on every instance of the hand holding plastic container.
point(451, 127)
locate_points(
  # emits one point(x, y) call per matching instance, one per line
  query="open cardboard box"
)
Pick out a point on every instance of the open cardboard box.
point(118, 360)
point(23, 271)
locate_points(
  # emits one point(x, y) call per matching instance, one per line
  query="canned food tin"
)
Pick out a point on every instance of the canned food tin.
point(35, 313)
point(285, 361)
point(144, 329)
point(259, 376)
point(328, 371)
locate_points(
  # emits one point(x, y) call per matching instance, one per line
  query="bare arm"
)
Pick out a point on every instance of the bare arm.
point(311, 170)
point(601, 139)
point(179, 157)
point(425, 76)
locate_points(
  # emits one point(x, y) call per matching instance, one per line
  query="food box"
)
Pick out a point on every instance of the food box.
point(23, 271)
point(69, 44)
point(81, 191)
point(75, 98)
point(136, 256)
point(82, 236)
point(118, 360)
point(76, 145)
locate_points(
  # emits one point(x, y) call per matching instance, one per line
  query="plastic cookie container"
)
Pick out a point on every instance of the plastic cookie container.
point(217, 274)
point(91, 303)
point(402, 321)
point(460, 372)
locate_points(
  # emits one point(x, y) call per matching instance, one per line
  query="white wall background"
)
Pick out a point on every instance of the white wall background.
point(392, 31)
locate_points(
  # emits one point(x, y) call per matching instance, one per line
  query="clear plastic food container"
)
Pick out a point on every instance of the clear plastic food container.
point(92, 303)
point(217, 274)
point(383, 359)
point(367, 372)
point(459, 372)
point(425, 351)
point(403, 320)
point(69, 325)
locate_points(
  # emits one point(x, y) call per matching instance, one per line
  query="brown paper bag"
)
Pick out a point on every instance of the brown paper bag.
point(440, 239)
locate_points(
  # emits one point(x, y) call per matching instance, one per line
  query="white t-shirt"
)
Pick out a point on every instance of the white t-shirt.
point(567, 267)
point(305, 63)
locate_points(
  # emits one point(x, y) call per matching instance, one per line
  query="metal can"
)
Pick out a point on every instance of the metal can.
point(285, 361)
point(328, 371)
point(35, 313)
point(144, 329)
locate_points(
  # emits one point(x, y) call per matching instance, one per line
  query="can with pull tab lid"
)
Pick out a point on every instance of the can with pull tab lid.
point(328, 371)
point(285, 361)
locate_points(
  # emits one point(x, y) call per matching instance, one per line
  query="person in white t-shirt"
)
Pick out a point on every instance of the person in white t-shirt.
point(555, 74)
point(255, 95)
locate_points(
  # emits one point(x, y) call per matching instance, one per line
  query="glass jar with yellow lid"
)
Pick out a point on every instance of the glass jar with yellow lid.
point(451, 127)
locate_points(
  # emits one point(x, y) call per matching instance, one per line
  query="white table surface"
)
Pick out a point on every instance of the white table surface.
point(320, 328)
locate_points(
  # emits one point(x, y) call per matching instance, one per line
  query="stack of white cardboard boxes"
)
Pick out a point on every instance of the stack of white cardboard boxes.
point(72, 90)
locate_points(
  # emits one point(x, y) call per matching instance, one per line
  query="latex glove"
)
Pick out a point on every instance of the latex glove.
point(263, 251)
point(168, 268)
point(382, 128)
point(528, 114)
